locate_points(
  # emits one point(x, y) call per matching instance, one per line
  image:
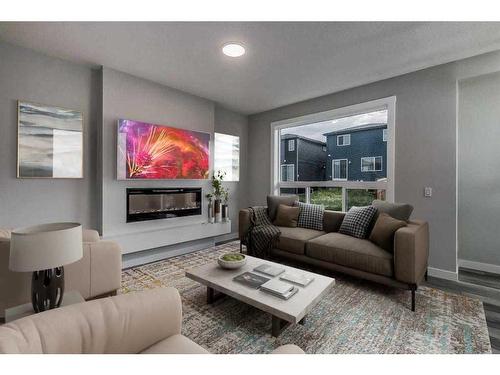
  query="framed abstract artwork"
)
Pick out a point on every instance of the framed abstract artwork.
point(154, 152)
point(49, 141)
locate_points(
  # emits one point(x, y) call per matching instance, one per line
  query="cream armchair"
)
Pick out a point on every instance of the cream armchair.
point(97, 274)
point(147, 322)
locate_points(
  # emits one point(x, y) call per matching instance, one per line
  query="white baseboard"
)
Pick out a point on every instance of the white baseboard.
point(486, 267)
point(442, 274)
point(227, 237)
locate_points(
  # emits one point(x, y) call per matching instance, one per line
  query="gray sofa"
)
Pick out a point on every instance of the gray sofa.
point(328, 249)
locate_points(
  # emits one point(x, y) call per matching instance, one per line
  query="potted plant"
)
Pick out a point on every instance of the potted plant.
point(209, 196)
point(218, 192)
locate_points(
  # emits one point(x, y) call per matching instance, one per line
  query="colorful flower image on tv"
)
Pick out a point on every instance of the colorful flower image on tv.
point(162, 152)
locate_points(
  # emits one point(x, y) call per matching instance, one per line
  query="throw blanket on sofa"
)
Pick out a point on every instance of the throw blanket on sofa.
point(262, 235)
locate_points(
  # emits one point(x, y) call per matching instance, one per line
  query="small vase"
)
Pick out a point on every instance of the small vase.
point(225, 212)
point(218, 211)
point(210, 212)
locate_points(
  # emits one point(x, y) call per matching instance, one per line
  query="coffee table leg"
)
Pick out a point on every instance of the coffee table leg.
point(303, 321)
point(278, 325)
point(213, 295)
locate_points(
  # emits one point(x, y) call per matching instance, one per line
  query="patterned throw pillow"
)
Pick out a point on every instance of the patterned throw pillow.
point(357, 221)
point(311, 215)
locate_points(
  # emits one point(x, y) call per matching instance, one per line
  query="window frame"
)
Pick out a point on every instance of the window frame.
point(344, 136)
point(346, 170)
point(374, 164)
point(287, 174)
point(388, 103)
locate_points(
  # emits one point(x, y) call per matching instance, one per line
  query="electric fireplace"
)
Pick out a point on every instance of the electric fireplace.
point(158, 203)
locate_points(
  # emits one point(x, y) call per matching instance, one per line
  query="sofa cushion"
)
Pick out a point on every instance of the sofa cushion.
point(287, 216)
point(400, 211)
point(311, 215)
point(357, 221)
point(383, 231)
point(176, 344)
point(351, 252)
point(293, 240)
point(273, 202)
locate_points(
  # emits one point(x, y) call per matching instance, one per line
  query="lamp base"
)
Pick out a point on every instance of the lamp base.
point(47, 289)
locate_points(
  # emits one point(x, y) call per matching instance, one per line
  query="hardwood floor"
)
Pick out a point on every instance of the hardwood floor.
point(490, 297)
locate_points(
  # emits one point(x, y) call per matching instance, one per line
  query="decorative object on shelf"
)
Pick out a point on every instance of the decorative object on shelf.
point(44, 250)
point(49, 141)
point(219, 193)
point(210, 208)
point(232, 261)
point(225, 206)
point(150, 151)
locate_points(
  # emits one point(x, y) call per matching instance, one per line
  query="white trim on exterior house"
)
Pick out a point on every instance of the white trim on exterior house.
point(346, 170)
point(374, 164)
point(344, 137)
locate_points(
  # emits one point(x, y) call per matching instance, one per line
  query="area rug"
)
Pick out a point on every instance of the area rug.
point(355, 317)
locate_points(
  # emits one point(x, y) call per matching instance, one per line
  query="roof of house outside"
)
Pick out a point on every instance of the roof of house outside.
point(358, 128)
point(293, 136)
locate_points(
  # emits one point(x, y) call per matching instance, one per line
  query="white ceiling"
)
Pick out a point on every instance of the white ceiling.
point(285, 62)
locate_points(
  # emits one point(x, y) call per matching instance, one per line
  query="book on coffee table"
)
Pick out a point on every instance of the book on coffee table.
point(251, 279)
point(269, 270)
point(279, 289)
point(297, 278)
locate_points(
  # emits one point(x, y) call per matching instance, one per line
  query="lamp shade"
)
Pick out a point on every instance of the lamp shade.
point(45, 246)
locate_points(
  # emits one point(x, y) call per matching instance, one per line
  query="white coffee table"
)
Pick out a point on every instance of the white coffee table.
point(283, 312)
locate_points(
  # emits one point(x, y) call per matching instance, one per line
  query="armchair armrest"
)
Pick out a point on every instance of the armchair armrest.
point(90, 235)
point(105, 266)
point(243, 223)
point(128, 323)
point(411, 252)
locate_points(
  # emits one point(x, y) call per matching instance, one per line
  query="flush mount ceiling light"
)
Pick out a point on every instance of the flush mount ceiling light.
point(233, 49)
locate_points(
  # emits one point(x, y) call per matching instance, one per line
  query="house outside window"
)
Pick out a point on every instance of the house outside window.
point(287, 172)
point(340, 167)
point(371, 164)
point(343, 176)
point(344, 140)
point(291, 145)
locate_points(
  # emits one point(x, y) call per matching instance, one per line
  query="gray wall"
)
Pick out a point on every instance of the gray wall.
point(129, 97)
point(425, 143)
point(232, 123)
point(478, 169)
point(30, 76)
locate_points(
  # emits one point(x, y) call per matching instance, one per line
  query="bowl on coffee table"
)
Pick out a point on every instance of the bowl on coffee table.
point(231, 261)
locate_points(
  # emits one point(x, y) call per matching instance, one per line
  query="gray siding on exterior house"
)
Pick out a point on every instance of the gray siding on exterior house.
point(364, 143)
point(308, 157)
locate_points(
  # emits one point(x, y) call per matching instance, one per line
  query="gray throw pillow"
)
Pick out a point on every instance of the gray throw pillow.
point(311, 215)
point(274, 201)
point(357, 221)
point(399, 211)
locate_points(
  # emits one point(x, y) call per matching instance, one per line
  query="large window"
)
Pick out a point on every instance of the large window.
point(332, 175)
point(340, 169)
point(227, 156)
point(371, 164)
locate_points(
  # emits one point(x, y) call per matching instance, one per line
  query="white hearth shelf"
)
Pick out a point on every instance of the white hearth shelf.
point(145, 239)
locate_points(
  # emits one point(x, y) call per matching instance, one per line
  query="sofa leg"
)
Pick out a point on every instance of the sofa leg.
point(241, 247)
point(426, 276)
point(413, 289)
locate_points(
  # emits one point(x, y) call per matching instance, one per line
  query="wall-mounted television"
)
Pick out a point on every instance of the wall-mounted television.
point(154, 152)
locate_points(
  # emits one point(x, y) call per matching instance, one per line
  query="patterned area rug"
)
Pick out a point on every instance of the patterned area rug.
point(355, 317)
